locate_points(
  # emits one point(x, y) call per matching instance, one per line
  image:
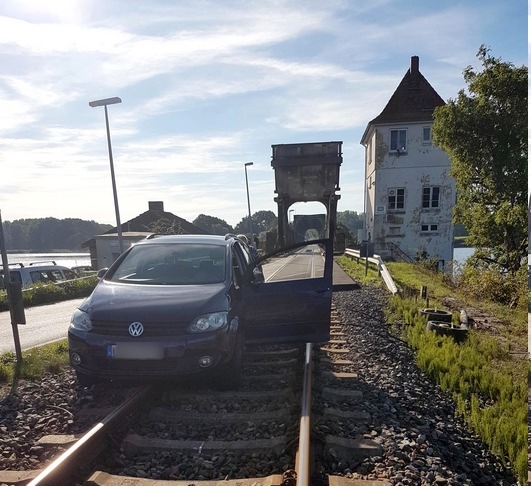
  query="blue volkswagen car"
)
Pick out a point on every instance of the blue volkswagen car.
point(172, 306)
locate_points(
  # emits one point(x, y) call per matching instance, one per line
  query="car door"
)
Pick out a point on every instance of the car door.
point(292, 303)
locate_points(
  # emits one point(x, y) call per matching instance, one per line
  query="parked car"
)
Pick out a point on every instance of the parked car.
point(171, 306)
point(29, 274)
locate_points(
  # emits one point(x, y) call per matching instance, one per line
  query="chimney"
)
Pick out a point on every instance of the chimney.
point(156, 205)
point(414, 67)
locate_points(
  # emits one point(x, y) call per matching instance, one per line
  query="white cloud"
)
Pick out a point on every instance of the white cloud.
point(205, 87)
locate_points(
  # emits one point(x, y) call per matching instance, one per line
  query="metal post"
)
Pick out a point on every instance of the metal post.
point(249, 203)
point(104, 103)
point(114, 192)
point(7, 282)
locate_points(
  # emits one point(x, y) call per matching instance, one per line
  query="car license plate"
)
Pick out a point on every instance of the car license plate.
point(135, 351)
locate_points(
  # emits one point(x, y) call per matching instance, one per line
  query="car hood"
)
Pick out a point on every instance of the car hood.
point(156, 303)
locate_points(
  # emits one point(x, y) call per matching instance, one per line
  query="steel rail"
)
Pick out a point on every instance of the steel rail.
point(302, 463)
point(57, 472)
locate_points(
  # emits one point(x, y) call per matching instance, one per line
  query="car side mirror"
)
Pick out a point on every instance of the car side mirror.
point(258, 276)
point(101, 272)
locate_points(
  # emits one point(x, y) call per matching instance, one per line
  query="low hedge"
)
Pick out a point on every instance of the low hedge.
point(43, 293)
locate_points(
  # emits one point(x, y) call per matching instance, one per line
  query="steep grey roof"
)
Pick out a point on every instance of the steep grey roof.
point(144, 221)
point(413, 100)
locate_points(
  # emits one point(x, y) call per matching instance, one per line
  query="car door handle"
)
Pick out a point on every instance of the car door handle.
point(322, 291)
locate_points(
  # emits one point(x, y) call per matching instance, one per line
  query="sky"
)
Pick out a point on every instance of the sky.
point(207, 86)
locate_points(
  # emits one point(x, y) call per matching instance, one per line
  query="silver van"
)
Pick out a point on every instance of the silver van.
point(29, 274)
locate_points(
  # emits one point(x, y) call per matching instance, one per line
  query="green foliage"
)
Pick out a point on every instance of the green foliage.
point(43, 293)
point(482, 282)
point(166, 226)
point(213, 225)
point(46, 234)
point(489, 388)
point(262, 221)
point(485, 135)
point(351, 220)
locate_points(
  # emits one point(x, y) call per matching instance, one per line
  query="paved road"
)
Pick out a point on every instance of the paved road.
point(44, 324)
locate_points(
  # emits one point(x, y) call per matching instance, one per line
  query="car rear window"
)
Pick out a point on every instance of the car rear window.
point(176, 264)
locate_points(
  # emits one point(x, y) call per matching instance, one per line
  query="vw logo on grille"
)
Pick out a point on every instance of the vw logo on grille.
point(136, 329)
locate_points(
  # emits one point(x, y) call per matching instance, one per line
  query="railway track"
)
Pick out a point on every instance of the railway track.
point(373, 420)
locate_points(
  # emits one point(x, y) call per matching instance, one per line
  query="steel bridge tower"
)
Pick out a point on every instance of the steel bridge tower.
point(306, 172)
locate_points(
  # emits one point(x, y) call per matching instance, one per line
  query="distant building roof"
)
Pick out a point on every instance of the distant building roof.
point(155, 214)
point(146, 223)
point(413, 100)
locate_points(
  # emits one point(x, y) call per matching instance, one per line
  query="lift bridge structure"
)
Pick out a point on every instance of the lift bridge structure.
point(306, 172)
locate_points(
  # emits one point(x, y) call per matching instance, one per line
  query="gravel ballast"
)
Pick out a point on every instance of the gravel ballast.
point(423, 442)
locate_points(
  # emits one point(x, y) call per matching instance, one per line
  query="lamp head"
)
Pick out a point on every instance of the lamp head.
point(106, 101)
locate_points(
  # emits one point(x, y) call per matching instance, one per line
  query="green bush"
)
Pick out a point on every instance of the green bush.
point(489, 284)
point(42, 293)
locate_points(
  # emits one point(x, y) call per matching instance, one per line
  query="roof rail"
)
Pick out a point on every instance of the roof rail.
point(44, 261)
point(151, 236)
point(228, 236)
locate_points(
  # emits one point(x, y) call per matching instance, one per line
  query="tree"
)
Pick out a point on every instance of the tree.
point(165, 226)
point(213, 225)
point(352, 220)
point(261, 221)
point(484, 132)
point(45, 234)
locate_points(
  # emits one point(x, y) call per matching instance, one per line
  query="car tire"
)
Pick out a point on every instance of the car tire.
point(85, 380)
point(459, 334)
point(437, 315)
point(230, 374)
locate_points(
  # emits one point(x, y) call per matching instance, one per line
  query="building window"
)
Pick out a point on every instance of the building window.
point(426, 135)
point(398, 141)
point(395, 198)
point(430, 197)
point(426, 228)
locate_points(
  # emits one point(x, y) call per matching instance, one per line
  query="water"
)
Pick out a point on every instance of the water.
point(83, 259)
point(65, 259)
point(461, 254)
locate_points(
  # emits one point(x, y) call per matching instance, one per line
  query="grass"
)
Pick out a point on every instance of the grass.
point(50, 358)
point(488, 385)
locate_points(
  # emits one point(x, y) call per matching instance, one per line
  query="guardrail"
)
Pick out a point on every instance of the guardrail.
point(380, 265)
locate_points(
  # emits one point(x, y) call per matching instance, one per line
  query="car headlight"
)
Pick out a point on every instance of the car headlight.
point(80, 321)
point(209, 322)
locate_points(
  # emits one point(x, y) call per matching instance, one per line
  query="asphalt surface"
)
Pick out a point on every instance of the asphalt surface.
point(44, 324)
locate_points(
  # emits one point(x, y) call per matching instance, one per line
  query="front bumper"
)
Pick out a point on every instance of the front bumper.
point(179, 356)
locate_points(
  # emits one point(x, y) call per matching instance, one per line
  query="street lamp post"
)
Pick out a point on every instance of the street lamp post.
point(104, 103)
point(249, 202)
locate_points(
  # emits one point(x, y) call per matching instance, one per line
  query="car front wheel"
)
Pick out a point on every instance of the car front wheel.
point(230, 374)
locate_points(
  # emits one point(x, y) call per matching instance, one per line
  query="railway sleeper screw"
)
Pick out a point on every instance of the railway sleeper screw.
point(289, 478)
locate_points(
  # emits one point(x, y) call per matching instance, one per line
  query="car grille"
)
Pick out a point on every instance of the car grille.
point(151, 329)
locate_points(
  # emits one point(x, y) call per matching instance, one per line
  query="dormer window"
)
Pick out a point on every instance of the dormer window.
point(398, 143)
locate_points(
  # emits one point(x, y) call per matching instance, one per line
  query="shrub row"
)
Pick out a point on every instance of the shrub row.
point(492, 400)
point(49, 293)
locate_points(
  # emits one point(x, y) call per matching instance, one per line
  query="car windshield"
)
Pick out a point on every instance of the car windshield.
point(172, 264)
